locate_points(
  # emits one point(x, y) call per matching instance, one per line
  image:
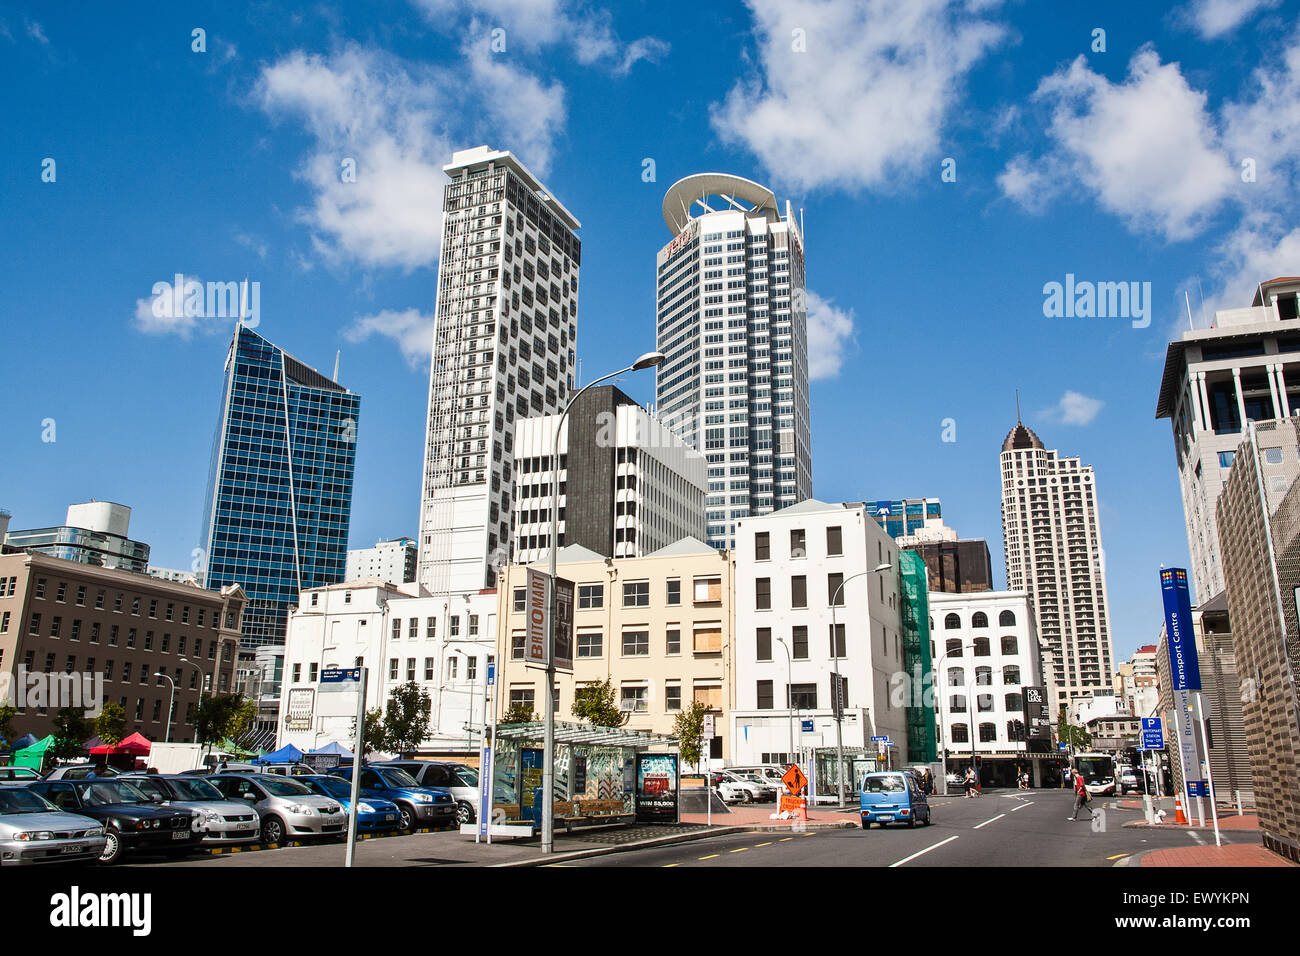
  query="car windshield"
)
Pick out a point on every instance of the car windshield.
point(396, 777)
point(891, 783)
point(187, 788)
point(330, 787)
point(283, 786)
point(23, 801)
point(467, 776)
point(103, 793)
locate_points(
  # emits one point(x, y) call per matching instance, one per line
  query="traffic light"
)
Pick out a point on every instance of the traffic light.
point(978, 760)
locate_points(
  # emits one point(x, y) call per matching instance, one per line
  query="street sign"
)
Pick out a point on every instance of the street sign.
point(708, 726)
point(536, 646)
point(1198, 788)
point(339, 679)
point(806, 726)
point(1061, 747)
point(562, 630)
point(794, 779)
point(1153, 734)
point(837, 696)
point(492, 674)
point(879, 740)
point(1184, 667)
point(888, 742)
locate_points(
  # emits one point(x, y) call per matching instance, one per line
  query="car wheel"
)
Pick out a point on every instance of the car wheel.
point(464, 813)
point(272, 830)
point(911, 823)
point(406, 820)
point(112, 848)
point(866, 825)
point(927, 817)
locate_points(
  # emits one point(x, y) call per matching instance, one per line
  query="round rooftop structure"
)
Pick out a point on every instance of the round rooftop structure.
point(685, 194)
point(1021, 437)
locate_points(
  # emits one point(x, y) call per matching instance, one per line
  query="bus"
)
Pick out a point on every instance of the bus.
point(1098, 772)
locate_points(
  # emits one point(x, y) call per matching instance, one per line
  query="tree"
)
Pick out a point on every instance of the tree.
point(1074, 737)
point(406, 718)
point(596, 704)
point(688, 729)
point(221, 716)
point(70, 728)
point(7, 733)
point(372, 734)
point(519, 713)
point(110, 725)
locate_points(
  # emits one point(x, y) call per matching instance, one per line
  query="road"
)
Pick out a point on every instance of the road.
point(1006, 828)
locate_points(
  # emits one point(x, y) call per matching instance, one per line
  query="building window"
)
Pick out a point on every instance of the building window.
point(413, 628)
point(708, 590)
point(591, 644)
point(951, 622)
point(956, 677)
point(315, 599)
point(410, 668)
point(957, 704)
point(1009, 645)
point(522, 697)
point(798, 543)
point(984, 702)
point(763, 594)
point(763, 644)
point(634, 698)
point(453, 664)
point(517, 647)
point(803, 696)
point(1013, 703)
point(313, 671)
point(672, 697)
point(430, 628)
point(979, 619)
point(981, 647)
point(838, 646)
point(673, 642)
point(520, 599)
point(799, 638)
point(799, 591)
point(708, 639)
point(397, 629)
point(834, 542)
point(1007, 619)
point(636, 643)
point(765, 695)
point(674, 595)
point(297, 673)
point(835, 589)
point(988, 733)
point(1011, 674)
point(960, 734)
point(762, 546)
point(591, 596)
point(453, 626)
point(392, 668)
point(471, 668)
point(636, 594)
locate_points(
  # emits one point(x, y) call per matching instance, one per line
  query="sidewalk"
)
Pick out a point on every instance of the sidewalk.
point(1231, 854)
point(1228, 818)
point(760, 818)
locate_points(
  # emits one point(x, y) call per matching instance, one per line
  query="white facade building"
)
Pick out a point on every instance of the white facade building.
point(1215, 381)
point(639, 486)
point(443, 643)
point(506, 323)
point(1051, 531)
point(732, 323)
point(788, 567)
point(392, 561)
point(985, 651)
point(173, 574)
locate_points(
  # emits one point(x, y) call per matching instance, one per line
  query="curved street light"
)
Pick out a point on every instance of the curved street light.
point(171, 707)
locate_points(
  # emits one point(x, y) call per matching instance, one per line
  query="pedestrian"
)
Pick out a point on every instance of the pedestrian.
point(969, 782)
point(1081, 797)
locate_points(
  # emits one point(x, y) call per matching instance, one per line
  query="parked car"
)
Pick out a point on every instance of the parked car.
point(892, 796)
point(457, 779)
point(132, 824)
point(733, 791)
point(286, 807)
point(753, 790)
point(418, 806)
point(18, 775)
point(33, 830)
point(81, 771)
point(768, 773)
point(222, 821)
point(374, 814)
point(278, 769)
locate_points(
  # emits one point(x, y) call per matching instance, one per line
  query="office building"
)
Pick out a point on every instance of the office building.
point(1258, 524)
point(640, 487)
point(807, 607)
point(657, 627)
point(1215, 381)
point(95, 532)
point(115, 631)
point(280, 486)
point(1051, 530)
point(173, 574)
point(960, 566)
point(913, 519)
point(393, 561)
point(506, 325)
point(732, 323)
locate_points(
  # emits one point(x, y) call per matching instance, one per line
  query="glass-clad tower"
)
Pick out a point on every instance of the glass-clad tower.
point(732, 322)
point(280, 484)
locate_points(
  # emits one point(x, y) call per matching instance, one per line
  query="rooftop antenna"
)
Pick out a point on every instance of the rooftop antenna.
point(243, 300)
point(337, 356)
point(1018, 422)
point(1188, 300)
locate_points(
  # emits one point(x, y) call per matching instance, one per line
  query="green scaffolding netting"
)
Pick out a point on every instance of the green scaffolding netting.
point(916, 658)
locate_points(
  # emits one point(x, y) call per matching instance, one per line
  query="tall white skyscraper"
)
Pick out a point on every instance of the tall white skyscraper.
point(503, 348)
point(1052, 534)
point(732, 321)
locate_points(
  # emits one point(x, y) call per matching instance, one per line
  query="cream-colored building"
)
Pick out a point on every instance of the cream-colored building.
point(658, 627)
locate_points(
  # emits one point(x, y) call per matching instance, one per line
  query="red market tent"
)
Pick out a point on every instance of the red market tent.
point(135, 746)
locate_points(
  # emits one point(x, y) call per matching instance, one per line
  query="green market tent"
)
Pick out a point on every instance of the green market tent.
point(228, 746)
point(34, 756)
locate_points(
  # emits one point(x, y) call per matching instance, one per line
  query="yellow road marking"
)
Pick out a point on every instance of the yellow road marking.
point(1117, 856)
point(783, 839)
point(711, 856)
point(667, 865)
point(757, 845)
point(740, 849)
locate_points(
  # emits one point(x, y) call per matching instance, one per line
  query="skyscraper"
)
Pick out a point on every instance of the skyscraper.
point(280, 485)
point(1052, 535)
point(732, 321)
point(506, 321)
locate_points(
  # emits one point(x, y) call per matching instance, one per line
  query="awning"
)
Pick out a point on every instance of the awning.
point(135, 745)
point(586, 734)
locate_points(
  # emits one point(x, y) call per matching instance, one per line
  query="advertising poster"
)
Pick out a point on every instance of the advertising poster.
point(563, 630)
point(299, 713)
point(530, 776)
point(656, 788)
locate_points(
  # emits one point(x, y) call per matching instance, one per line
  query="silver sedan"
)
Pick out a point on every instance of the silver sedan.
point(33, 830)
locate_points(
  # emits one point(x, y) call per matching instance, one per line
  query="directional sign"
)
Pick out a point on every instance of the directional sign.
point(1153, 734)
point(794, 779)
point(879, 740)
point(339, 679)
point(806, 726)
point(492, 674)
point(1061, 747)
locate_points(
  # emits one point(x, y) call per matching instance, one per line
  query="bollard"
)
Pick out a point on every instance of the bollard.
point(1238, 795)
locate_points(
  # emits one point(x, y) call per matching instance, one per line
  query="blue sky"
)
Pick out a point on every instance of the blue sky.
point(1169, 157)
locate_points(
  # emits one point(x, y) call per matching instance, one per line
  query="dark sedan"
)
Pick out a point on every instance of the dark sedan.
point(132, 823)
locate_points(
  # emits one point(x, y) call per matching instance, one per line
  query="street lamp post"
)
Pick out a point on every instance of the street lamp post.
point(789, 697)
point(943, 733)
point(835, 657)
point(648, 360)
point(171, 706)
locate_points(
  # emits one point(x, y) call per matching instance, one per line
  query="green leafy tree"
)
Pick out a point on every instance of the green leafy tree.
point(372, 734)
point(1074, 737)
point(70, 728)
point(519, 713)
point(221, 716)
point(110, 725)
point(406, 718)
point(688, 728)
point(7, 733)
point(596, 704)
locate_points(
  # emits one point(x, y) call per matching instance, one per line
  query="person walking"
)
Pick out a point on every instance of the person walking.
point(1081, 797)
point(969, 782)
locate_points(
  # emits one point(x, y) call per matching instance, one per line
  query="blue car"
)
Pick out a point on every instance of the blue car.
point(374, 814)
point(893, 797)
point(416, 806)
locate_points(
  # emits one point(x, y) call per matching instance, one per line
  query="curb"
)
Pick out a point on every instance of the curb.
point(1133, 859)
point(1208, 828)
point(255, 847)
point(622, 848)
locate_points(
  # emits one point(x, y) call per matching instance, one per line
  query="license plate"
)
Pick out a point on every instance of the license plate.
point(389, 817)
point(885, 816)
point(74, 848)
point(180, 835)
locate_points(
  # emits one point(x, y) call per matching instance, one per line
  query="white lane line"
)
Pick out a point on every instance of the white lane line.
point(1196, 836)
point(908, 859)
point(1022, 806)
point(987, 822)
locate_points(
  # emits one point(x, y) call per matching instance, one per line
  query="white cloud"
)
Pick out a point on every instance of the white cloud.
point(1213, 18)
point(1265, 127)
point(411, 329)
point(1260, 248)
point(868, 100)
point(1074, 408)
point(1102, 137)
point(518, 102)
point(181, 306)
point(830, 333)
point(37, 33)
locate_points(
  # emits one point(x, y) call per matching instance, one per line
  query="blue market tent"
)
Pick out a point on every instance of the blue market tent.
point(334, 748)
point(286, 754)
point(25, 741)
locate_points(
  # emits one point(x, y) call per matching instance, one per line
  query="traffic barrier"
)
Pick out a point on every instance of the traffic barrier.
point(1179, 817)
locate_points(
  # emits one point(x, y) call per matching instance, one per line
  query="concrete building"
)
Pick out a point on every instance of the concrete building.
point(790, 566)
point(958, 566)
point(94, 532)
point(732, 323)
point(641, 487)
point(985, 649)
point(279, 497)
point(658, 627)
point(1215, 381)
point(1051, 531)
point(113, 630)
point(443, 643)
point(259, 676)
point(1258, 525)
point(506, 326)
point(393, 560)
point(1136, 683)
point(174, 575)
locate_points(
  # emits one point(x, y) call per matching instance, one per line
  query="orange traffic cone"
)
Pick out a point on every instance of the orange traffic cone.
point(1179, 817)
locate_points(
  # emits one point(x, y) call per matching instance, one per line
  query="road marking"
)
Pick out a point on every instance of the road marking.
point(1117, 856)
point(711, 856)
point(908, 859)
point(987, 822)
point(566, 865)
point(1196, 836)
point(808, 834)
point(667, 865)
point(741, 849)
point(783, 839)
point(757, 845)
point(1022, 806)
